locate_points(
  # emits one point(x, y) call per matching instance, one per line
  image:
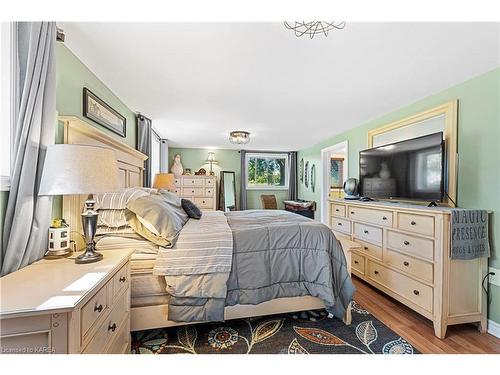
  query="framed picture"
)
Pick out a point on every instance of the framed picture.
point(313, 177)
point(306, 174)
point(98, 111)
point(336, 173)
point(301, 170)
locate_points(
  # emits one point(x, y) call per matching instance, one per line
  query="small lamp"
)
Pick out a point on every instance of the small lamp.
point(78, 169)
point(211, 160)
point(164, 181)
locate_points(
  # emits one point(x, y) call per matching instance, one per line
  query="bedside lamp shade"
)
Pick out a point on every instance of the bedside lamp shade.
point(164, 181)
point(78, 169)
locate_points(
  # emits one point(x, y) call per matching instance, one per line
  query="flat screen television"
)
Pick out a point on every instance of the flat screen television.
point(412, 169)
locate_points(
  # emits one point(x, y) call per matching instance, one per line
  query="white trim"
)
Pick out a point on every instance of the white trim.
point(494, 328)
point(268, 155)
point(325, 181)
point(8, 69)
point(4, 183)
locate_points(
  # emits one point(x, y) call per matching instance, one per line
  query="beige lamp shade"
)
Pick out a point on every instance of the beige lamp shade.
point(164, 181)
point(78, 169)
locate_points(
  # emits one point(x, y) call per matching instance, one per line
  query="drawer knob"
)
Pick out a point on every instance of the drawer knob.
point(365, 231)
point(98, 308)
point(365, 247)
point(339, 224)
point(405, 263)
point(384, 218)
point(112, 327)
point(352, 212)
point(413, 223)
point(356, 262)
point(122, 279)
point(416, 292)
point(375, 272)
point(337, 210)
point(406, 243)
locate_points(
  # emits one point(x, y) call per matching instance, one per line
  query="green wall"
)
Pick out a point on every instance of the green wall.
point(228, 160)
point(71, 77)
point(478, 147)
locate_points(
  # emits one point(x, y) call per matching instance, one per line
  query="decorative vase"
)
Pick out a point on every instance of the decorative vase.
point(177, 168)
point(384, 171)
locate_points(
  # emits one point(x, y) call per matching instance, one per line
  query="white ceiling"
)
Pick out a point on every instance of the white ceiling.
point(199, 81)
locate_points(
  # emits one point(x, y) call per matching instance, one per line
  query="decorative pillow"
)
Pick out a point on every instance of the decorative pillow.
point(191, 209)
point(112, 218)
point(117, 200)
point(157, 217)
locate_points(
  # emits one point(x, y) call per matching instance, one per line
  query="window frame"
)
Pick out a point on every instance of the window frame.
point(268, 155)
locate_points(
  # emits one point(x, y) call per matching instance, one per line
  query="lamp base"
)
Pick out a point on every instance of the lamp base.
point(88, 257)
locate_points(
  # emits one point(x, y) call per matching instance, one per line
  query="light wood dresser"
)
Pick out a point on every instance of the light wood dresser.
point(405, 252)
point(57, 306)
point(199, 189)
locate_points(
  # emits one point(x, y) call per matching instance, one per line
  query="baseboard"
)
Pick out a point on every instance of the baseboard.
point(494, 328)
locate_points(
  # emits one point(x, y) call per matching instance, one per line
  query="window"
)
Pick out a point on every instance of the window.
point(155, 155)
point(428, 171)
point(6, 93)
point(267, 171)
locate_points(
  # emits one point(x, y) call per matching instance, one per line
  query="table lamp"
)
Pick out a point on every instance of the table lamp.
point(164, 181)
point(211, 160)
point(79, 169)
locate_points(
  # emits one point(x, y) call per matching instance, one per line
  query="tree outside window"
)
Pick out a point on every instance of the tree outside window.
point(267, 171)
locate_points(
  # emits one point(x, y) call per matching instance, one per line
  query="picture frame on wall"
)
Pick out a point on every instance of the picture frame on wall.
point(100, 112)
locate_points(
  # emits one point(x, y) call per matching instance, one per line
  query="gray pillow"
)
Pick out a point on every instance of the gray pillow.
point(158, 217)
point(191, 209)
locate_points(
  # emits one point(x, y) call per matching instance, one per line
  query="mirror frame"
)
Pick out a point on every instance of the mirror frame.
point(222, 192)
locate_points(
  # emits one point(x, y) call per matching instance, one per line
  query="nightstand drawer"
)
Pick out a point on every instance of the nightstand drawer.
point(358, 263)
point(192, 191)
point(121, 281)
point(94, 309)
point(111, 326)
point(121, 342)
point(186, 181)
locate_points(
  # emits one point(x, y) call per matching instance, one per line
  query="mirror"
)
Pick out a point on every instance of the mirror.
point(227, 193)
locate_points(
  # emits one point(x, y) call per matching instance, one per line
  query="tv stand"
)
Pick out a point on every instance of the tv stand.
point(432, 204)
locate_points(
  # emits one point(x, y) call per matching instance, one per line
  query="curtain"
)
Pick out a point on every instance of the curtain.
point(144, 139)
point(293, 183)
point(27, 217)
point(243, 181)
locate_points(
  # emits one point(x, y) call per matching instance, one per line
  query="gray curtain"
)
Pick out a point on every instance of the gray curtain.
point(144, 138)
point(293, 183)
point(243, 179)
point(27, 217)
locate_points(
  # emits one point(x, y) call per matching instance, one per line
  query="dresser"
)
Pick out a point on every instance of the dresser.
point(57, 306)
point(405, 252)
point(199, 189)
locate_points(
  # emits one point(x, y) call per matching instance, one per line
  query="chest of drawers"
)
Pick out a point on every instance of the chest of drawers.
point(405, 252)
point(199, 189)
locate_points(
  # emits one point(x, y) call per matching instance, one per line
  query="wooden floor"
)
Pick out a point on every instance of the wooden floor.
point(417, 330)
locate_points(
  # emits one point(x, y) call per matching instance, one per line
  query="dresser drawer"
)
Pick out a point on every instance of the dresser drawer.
point(187, 181)
point(192, 192)
point(415, 267)
point(204, 202)
point(370, 249)
point(420, 247)
point(121, 281)
point(372, 216)
point(209, 192)
point(178, 190)
point(358, 263)
point(96, 307)
point(121, 343)
point(210, 182)
point(368, 233)
point(340, 225)
point(338, 210)
point(110, 327)
point(178, 182)
point(420, 224)
point(412, 290)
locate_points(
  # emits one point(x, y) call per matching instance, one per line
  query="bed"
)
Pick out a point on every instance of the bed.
point(150, 302)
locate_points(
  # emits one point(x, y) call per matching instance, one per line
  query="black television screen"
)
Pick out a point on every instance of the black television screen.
point(410, 169)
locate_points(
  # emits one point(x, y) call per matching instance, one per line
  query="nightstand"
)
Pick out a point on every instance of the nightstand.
point(57, 306)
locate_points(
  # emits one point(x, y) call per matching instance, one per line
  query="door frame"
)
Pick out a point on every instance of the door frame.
point(325, 179)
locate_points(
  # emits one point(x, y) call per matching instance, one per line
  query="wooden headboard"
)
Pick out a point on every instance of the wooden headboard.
point(130, 165)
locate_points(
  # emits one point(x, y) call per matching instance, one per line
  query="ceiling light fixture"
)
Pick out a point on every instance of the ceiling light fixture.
point(239, 137)
point(312, 28)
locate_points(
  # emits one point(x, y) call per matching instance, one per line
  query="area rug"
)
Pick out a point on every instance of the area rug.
point(308, 332)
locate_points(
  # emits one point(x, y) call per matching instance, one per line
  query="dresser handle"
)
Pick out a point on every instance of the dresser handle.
point(406, 243)
point(339, 224)
point(112, 327)
point(405, 263)
point(384, 218)
point(365, 231)
point(352, 212)
point(413, 223)
point(356, 262)
point(122, 279)
point(337, 210)
point(366, 248)
point(375, 272)
point(98, 308)
point(416, 292)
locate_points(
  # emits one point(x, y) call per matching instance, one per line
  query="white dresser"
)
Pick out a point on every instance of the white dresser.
point(199, 189)
point(405, 252)
point(57, 306)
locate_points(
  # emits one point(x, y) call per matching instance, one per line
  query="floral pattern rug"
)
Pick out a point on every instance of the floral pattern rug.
point(307, 332)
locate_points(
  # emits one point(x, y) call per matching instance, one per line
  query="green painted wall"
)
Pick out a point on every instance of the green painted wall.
point(228, 160)
point(478, 146)
point(71, 77)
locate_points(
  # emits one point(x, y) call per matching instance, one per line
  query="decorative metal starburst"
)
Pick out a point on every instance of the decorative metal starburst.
point(312, 28)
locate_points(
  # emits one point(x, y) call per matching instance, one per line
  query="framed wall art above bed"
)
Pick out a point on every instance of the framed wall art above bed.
point(98, 111)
